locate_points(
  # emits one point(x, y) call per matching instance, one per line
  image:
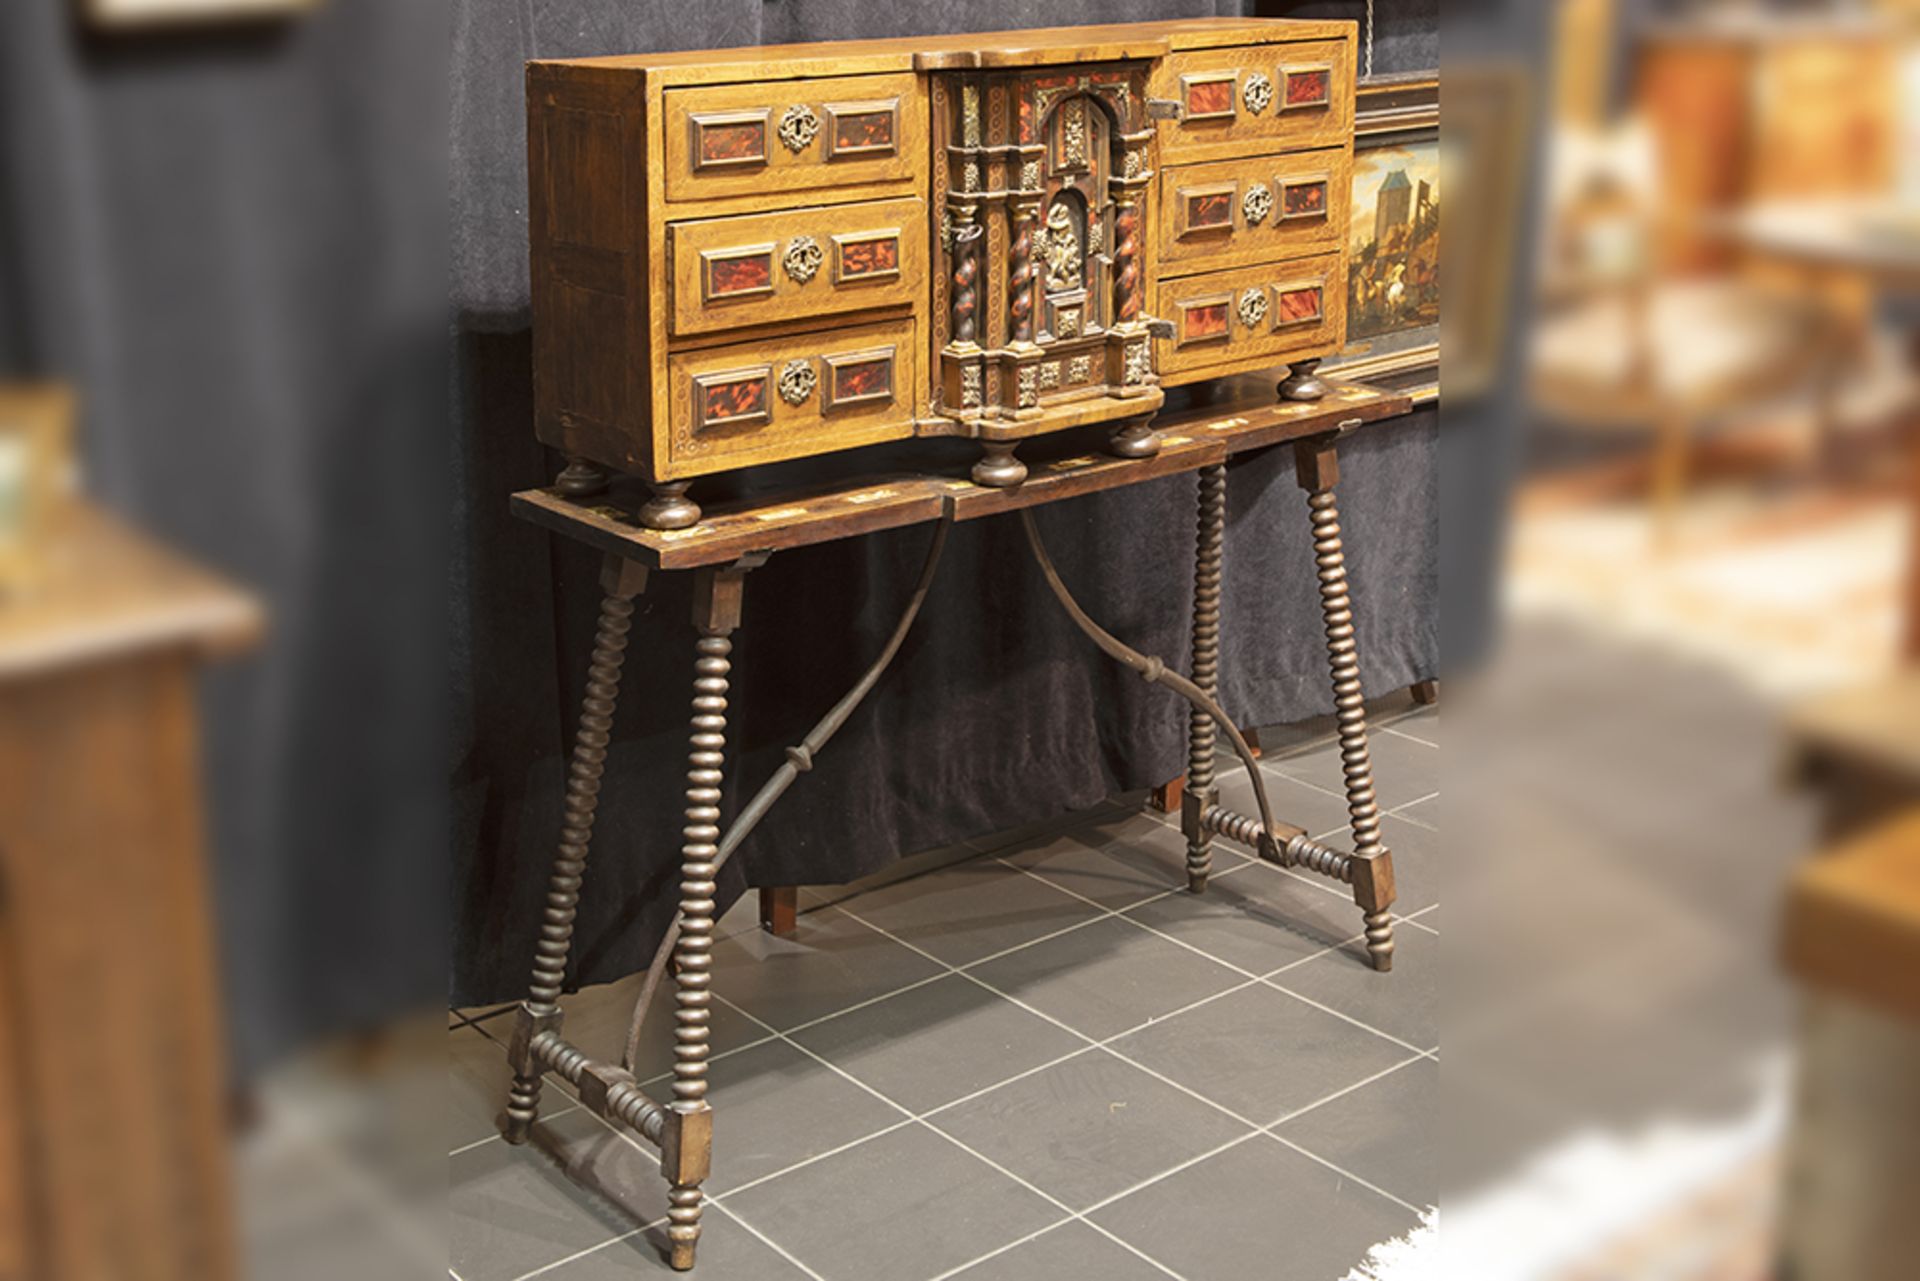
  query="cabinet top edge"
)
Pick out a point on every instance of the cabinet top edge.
point(971, 51)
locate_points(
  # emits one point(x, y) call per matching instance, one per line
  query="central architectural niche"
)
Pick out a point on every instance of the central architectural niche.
point(1040, 308)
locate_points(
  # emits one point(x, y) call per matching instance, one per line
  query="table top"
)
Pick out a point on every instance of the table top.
point(108, 592)
point(1872, 725)
point(1241, 415)
point(1879, 237)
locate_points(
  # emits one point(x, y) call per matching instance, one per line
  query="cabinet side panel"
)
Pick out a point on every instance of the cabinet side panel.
point(581, 232)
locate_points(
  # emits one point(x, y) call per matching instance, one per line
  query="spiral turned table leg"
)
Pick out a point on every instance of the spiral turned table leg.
point(686, 1154)
point(1318, 472)
point(622, 581)
point(1206, 673)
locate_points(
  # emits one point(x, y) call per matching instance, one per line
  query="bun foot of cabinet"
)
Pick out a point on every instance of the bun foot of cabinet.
point(670, 508)
point(581, 479)
point(1134, 440)
point(1302, 382)
point(998, 468)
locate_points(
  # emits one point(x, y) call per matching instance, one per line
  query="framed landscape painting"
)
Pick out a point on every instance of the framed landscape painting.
point(1393, 239)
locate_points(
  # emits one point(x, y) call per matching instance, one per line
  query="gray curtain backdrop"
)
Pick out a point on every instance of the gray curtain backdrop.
point(233, 242)
point(996, 712)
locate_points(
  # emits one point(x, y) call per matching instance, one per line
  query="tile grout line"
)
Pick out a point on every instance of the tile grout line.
point(1166, 1080)
point(1388, 728)
point(768, 1241)
point(1344, 1173)
point(1297, 1113)
point(1197, 952)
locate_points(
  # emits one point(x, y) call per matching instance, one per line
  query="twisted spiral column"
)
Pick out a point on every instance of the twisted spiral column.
point(576, 833)
point(1126, 258)
point(1020, 277)
point(1350, 712)
point(693, 957)
point(966, 266)
point(1201, 732)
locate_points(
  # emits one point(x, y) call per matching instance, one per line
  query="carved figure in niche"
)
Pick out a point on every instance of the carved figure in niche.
point(1061, 247)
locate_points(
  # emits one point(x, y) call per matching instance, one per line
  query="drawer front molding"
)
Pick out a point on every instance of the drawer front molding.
point(1238, 101)
point(791, 136)
point(1228, 321)
point(775, 399)
point(1229, 213)
point(761, 269)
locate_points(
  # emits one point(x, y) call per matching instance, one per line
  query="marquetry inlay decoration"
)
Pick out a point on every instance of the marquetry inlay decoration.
point(802, 259)
point(1257, 92)
point(1256, 204)
point(1139, 366)
point(798, 126)
point(970, 388)
point(1079, 369)
point(1050, 375)
point(1253, 307)
point(797, 381)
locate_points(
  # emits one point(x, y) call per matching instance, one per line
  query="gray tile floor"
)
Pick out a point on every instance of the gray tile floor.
point(1041, 1058)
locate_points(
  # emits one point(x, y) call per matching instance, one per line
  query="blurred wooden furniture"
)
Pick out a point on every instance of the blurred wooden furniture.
point(1749, 107)
point(113, 1135)
point(1876, 242)
point(1852, 941)
point(1861, 749)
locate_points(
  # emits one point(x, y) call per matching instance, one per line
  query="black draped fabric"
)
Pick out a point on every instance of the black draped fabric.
point(232, 240)
point(996, 712)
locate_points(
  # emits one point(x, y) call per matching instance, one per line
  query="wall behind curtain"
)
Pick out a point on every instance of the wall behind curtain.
point(996, 712)
point(234, 243)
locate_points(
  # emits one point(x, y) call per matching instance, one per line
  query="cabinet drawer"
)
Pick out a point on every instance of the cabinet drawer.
point(1239, 317)
point(793, 135)
point(761, 402)
point(1239, 211)
point(1255, 97)
point(764, 268)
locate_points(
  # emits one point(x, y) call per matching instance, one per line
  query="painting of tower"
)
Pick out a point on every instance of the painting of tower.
point(1393, 207)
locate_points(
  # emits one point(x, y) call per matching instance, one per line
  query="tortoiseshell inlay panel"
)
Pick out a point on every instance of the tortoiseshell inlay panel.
point(857, 132)
point(730, 142)
point(1202, 321)
point(749, 273)
point(733, 398)
point(1297, 305)
point(1209, 209)
point(871, 256)
point(1308, 87)
point(867, 378)
point(1304, 199)
point(1209, 98)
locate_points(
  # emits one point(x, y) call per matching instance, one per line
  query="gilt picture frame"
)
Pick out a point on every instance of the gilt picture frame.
point(1393, 288)
point(115, 16)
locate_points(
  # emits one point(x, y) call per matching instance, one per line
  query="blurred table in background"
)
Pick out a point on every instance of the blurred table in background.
point(113, 1134)
point(1878, 242)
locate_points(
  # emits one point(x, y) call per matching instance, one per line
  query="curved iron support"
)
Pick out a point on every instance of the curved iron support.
point(1154, 670)
point(799, 761)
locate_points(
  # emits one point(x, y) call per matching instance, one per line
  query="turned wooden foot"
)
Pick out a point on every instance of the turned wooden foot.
point(1301, 382)
point(580, 478)
point(1134, 440)
point(670, 508)
point(998, 468)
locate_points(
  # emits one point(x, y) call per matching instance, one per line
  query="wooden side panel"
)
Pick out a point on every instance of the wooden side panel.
point(1229, 213)
point(585, 219)
point(774, 399)
point(763, 138)
point(729, 273)
point(109, 939)
point(1229, 321)
point(1240, 100)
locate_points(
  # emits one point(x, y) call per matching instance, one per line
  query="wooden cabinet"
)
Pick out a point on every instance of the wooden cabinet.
point(744, 256)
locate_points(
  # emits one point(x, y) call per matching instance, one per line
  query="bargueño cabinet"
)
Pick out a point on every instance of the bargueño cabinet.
point(753, 255)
